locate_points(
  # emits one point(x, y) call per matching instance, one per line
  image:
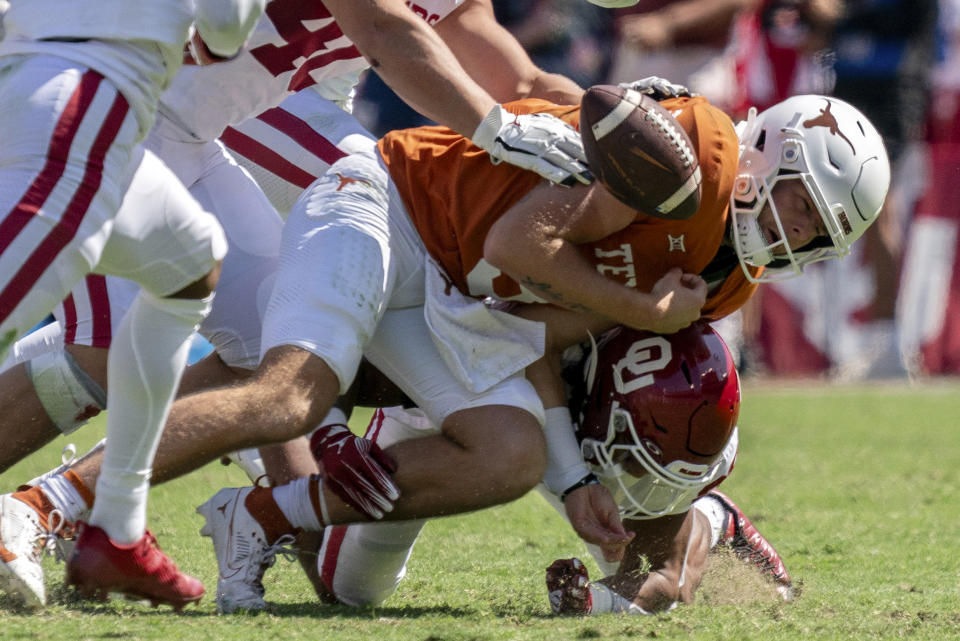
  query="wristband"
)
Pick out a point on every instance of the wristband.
point(589, 479)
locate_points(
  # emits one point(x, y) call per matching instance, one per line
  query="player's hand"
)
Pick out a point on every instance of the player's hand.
point(659, 88)
point(595, 516)
point(538, 142)
point(680, 297)
point(356, 469)
point(568, 587)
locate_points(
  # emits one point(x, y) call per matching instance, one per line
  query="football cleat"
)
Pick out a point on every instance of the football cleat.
point(742, 537)
point(23, 540)
point(139, 571)
point(243, 554)
point(568, 587)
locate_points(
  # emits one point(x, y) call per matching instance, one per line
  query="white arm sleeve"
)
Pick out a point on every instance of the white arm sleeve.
point(565, 465)
point(225, 25)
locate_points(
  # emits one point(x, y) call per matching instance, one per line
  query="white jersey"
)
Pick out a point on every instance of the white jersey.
point(137, 45)
point(295, 45)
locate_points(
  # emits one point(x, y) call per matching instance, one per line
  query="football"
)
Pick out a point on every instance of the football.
point(639, 151)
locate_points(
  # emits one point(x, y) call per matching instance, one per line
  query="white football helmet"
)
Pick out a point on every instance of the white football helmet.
point(838, 155)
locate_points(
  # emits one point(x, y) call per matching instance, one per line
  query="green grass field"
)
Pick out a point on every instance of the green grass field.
point(857, 487)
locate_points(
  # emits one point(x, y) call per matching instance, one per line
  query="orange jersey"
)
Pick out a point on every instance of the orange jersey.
point(454, 195)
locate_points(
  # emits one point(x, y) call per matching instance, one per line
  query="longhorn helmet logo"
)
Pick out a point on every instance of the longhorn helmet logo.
point(828, 120)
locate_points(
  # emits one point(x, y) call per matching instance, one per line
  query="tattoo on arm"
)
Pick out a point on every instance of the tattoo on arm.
point(545, 291)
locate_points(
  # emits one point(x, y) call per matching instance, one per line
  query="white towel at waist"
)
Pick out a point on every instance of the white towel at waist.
point(480, 345)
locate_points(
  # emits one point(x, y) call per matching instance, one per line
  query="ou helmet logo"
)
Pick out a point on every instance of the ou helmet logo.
point(635, 370)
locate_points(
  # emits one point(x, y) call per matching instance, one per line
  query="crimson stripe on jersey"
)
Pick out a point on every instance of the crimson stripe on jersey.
point(64, 231)
point(263, 156)
point(302, 78)
point(330, 555)
point(63, 133)
point(376, 423)
point(100, 310)
point(308, 137)
point(69, 320)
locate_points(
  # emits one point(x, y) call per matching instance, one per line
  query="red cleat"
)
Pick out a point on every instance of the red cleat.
point(138, 571)
point(748, 544)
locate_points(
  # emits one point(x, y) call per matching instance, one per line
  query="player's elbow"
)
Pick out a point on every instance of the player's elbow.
point(507, 246)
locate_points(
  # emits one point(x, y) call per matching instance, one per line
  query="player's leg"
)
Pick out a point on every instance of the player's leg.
point(68, 138)
point(490, 451)
point(91, 314)
point(173, 254)
point(730, 528)
point(362, 564)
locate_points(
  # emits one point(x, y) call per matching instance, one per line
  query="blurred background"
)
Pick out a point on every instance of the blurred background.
point(890, 310)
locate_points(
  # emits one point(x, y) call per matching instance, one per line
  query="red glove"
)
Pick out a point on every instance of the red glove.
point(356, 469)
point(568, 586)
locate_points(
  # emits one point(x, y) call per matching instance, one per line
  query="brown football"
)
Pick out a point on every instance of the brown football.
point(639, 151)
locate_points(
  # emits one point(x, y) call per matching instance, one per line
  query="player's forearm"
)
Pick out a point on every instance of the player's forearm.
point(556, 88)
point(693, 15)
point(497, 61)
point(414, 61)
point(556, 271)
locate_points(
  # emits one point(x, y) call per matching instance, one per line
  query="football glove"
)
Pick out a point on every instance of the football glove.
point(568, 587)
point(356, 469)
point(659, 88)
point(538, 142)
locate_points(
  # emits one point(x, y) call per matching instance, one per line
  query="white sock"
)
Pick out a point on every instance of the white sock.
point(64, 497)
point(293, 499)
point(606, 600)
point(146, 360)
point(368, 563)
point(716, 515)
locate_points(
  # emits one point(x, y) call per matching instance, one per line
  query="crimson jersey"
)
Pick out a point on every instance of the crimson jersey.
point(454, 195)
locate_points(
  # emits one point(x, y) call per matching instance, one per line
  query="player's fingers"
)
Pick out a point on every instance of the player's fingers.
point(383, 459)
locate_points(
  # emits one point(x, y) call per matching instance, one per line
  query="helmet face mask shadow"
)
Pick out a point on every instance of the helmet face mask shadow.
point(658, 414)
point(839, 157)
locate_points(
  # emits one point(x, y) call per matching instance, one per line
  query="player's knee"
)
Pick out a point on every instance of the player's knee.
point(69, 395)
point(511, 452)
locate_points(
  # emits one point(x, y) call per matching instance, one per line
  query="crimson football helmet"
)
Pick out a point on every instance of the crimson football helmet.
point(658, 413)
point(838, 155)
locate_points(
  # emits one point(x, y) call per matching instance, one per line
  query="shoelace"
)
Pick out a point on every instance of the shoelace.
point(282, 546)
point(58, 542)
point(68, 455)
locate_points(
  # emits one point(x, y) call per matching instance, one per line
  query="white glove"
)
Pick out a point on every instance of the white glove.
point(537, 142)
point(659, 88)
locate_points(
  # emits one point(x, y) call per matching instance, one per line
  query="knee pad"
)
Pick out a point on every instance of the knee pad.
point(69, 395)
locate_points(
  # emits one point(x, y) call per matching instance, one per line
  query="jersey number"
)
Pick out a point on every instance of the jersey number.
point(486, 280)
point(290, 18)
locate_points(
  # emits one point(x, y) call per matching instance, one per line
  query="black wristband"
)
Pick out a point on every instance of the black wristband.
point(589, 479)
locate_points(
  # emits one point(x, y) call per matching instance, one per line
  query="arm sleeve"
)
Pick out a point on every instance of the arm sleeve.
point(225, 25)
